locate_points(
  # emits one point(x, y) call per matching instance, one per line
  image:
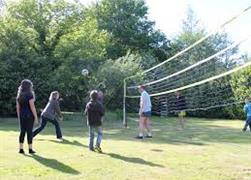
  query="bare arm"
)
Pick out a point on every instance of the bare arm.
point(141, 105)
point(245, 109)
point(86, 109)
point(33, 109)
point(18, 109)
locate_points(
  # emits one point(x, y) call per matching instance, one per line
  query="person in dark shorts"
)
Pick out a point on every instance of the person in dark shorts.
point(49, 114)
point(26, 113)
point(144, 114)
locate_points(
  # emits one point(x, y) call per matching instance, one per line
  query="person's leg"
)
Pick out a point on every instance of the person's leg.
point(181, 119)
point(148, 127)
point(249, 124)
point(99, 138)
point(21, 136)
point(42, 126)
point(30, 123)
point(182, 122)
point(245, 125)
point(57, 128)
point(91, 137)
point(141, 126)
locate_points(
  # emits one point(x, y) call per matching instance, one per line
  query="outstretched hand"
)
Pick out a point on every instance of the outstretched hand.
point(36, 121)
point(61, 118)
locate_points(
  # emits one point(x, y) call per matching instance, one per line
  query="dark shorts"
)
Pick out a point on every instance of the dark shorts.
point(147, 114)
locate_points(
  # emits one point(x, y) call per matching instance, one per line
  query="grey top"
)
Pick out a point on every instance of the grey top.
point(52, 108)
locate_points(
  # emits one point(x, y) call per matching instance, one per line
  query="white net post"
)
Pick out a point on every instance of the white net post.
point(124, 105)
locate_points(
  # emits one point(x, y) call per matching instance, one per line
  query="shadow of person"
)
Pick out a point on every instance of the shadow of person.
point(65, 141)
point(54, 164)
point(133, 160)
point(157, 150)
point(176, 141)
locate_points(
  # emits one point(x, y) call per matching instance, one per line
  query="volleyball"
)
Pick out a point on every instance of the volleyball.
point(85, 72)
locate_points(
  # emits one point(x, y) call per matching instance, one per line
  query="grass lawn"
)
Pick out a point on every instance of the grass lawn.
point(205, 150)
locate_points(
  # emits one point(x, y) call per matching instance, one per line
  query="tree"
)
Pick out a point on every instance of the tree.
point(112, 73)
point(191, 32)
point(130, 29)
point(48, 42)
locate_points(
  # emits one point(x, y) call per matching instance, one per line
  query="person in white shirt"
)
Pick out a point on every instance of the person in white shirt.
point(144, 114)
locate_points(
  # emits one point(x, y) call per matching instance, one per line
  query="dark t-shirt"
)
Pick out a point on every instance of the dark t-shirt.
point(25, 110)
point(180, 103)
point(94, 111)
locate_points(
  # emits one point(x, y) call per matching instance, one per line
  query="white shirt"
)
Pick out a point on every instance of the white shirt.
point(145, 102)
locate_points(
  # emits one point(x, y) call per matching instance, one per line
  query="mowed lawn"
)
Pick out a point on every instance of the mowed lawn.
point(208, 149)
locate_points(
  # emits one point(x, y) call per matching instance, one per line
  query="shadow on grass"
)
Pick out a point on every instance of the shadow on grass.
point(54, 164)
point(65, 141)
point(197, 132)
point(133, 160)
point(75, 143)
point(157, 150)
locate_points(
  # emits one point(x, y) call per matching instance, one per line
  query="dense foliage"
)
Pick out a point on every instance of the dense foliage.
point(51, 41)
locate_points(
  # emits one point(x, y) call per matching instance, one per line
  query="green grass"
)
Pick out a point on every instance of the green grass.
point(205, 150)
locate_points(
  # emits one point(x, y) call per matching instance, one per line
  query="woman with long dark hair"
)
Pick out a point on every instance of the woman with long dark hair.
point(26, 113)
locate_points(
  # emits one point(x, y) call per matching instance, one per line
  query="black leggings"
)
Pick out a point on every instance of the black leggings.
point(26, 125)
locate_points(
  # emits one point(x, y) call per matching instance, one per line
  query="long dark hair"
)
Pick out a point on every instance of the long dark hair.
point(25, 88)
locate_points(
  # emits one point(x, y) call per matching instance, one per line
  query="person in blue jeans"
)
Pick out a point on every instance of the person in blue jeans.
point(94, 111)
point(49, 115)
point(247, 110)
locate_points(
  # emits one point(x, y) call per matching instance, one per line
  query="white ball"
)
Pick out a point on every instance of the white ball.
point(84, 72)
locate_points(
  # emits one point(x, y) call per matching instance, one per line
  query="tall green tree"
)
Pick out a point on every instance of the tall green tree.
point(129, 27)
point(48, 42)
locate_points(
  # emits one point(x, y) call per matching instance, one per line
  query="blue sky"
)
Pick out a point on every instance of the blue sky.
point(168, 15)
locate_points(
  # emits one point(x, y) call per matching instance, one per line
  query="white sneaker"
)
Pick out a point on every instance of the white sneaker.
point(60, 139)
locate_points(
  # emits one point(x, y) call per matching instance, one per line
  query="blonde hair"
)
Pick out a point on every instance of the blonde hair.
point(53, 95)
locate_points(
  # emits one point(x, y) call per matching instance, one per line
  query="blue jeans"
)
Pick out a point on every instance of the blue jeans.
point(248, 123)
point(92, 130)
point(43, 124)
